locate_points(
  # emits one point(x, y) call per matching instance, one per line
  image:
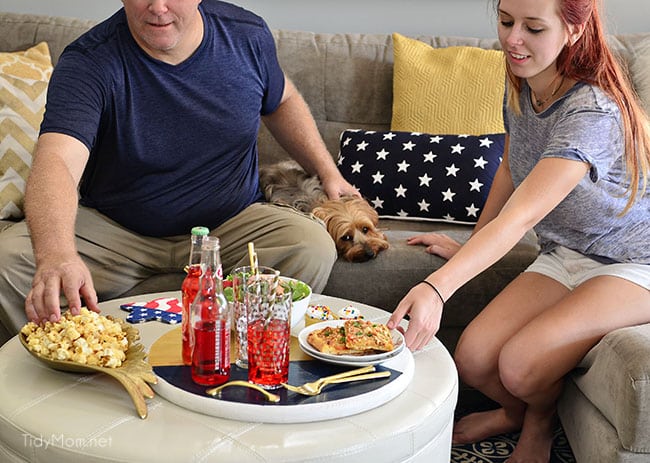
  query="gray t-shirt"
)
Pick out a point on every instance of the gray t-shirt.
point(584, 125)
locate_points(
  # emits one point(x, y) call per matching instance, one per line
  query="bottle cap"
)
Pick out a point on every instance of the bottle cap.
point(200, 231)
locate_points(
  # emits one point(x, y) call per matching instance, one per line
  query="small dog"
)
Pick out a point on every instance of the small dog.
point(350, 221)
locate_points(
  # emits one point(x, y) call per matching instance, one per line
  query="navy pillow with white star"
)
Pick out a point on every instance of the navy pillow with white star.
point(420, 176)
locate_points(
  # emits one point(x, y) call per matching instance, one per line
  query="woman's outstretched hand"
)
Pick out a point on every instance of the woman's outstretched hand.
point(436, 243)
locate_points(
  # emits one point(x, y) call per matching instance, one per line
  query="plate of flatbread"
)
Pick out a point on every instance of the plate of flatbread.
point(351, 342)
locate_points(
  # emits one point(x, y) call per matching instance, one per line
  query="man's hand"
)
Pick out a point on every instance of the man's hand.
point(424, 308)
point(70, 275)
point(338, 187)
point(436, 243)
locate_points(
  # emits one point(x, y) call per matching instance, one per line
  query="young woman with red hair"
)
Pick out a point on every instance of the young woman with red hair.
point(575, 169)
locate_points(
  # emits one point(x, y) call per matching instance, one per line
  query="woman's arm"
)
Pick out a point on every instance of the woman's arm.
point(546, 186)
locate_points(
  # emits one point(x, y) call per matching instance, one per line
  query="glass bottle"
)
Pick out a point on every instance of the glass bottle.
point(189, 288)
point(210, 320)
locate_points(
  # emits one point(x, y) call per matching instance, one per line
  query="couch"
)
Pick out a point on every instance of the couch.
point(347, 81)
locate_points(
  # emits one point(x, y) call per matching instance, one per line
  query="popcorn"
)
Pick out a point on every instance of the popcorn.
point(87, 338)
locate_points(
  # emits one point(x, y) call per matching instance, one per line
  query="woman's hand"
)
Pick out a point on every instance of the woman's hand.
point(436, 243)
point(424, 308)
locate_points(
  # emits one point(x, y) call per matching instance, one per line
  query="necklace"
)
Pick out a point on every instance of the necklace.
point(539, 103)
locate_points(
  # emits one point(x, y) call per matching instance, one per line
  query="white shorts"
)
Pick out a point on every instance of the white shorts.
point(572, 268)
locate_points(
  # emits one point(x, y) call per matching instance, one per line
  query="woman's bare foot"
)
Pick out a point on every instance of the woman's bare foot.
point(535, 442)
point(478, 426)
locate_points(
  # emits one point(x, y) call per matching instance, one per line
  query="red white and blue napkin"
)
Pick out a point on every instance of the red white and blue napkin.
point(162, 309)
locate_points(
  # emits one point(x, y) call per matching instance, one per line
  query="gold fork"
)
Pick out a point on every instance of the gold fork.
point(315, 387)
point(267, 395)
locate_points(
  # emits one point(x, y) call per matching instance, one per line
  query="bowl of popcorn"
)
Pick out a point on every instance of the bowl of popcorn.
point(93, 343)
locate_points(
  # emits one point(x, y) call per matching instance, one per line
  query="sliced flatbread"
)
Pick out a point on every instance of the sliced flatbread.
point(331, 340)
point(366, 335)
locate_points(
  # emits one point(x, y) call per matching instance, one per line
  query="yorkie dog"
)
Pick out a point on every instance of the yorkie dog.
point(350, 221)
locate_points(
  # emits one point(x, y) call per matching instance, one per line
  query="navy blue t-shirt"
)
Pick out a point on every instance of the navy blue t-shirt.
point(171, 147)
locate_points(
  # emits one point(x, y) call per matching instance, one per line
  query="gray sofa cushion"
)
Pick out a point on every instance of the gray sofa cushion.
point(615, 377)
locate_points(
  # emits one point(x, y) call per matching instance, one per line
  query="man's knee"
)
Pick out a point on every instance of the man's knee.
point(16, 272)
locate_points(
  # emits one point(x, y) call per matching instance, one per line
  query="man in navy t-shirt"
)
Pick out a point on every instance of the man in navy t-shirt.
point(150, 129)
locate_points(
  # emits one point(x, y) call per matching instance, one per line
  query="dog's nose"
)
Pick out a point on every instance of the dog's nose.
point(370, 253)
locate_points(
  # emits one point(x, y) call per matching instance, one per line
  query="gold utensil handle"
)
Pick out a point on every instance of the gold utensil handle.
point(269, 395)
point(378, 374)
point(345, 374)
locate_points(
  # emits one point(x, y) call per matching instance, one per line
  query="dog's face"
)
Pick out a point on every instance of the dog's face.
point(352, 223)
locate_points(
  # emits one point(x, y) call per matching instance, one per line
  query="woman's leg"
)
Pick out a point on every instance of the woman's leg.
point(535, 360)
point(479, 348)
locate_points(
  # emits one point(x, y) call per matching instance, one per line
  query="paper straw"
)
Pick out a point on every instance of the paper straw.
point(251, 255)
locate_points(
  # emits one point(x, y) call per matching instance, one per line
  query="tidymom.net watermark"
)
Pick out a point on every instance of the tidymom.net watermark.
point(63, 441)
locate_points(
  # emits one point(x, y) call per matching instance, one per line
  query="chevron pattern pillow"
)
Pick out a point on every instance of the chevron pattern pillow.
point(446, 90)
point(24, 76)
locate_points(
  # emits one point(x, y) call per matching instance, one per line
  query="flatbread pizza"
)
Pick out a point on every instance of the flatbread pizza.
point(354, 337)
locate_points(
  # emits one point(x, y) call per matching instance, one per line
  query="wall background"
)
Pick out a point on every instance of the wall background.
point(473, 18)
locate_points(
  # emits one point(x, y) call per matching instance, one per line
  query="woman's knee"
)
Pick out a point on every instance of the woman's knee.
point(521, 374)
point(475, 364)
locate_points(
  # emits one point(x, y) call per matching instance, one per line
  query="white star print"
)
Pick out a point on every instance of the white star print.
point(403, 166)
point(457, 149)
point(402, 213)
point(389, 136)
point(377, 178)
point(448, 195)
point(400, 191)
point(425, 179)
point(472, 210)
point(377, 203)
point(480, 162)
point(416, 134)
point(340, 161)
point(452, 170)
point(424, 206)
point(463, 135)
point(408, 146)
point(347, 141)
point(362, 146)
point(448, 217)
point(485, 142)
point(436, 139)
point(475, 185)
point(382, 154)
point(429, 157)
point(356, 167)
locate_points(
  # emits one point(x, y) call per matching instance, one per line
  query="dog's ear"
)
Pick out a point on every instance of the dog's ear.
point(321, 213)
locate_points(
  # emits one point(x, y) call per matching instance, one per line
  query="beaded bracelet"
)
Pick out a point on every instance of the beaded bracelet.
point(435, 289)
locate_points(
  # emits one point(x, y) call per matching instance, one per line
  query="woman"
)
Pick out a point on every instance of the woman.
point(575, 169)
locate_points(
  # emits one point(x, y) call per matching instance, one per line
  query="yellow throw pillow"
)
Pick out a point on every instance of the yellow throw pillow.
point(454, 90)
point(24, 76)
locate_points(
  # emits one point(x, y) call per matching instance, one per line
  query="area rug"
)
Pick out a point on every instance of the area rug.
point(497, 449)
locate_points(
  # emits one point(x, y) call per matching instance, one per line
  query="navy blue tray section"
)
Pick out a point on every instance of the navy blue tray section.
point(300, 371)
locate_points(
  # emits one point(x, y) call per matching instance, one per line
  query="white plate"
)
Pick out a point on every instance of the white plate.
point(358, 360)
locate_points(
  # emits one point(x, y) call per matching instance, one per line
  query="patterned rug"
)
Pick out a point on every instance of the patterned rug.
point(497, 449)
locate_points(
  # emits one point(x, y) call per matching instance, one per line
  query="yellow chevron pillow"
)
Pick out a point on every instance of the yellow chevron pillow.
point(24, 76)
point(453, 90)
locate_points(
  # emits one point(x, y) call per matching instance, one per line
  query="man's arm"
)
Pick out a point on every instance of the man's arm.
point(293, 126)
point(51, 202)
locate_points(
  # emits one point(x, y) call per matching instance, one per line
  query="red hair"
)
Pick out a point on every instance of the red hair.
point(590, 60)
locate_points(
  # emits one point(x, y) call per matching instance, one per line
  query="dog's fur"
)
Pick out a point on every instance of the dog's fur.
point(350, 221)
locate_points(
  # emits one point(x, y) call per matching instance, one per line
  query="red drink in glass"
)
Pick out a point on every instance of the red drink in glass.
point(189, 289)
point(210, 360)
point(268, 352)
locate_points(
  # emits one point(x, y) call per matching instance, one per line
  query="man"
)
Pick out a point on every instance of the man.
point(152, 117)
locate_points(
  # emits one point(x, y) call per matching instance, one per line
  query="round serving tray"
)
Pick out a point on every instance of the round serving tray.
point(244, 404)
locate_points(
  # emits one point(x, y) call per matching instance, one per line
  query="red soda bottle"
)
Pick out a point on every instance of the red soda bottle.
point(189, 288)
point(210, 321)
